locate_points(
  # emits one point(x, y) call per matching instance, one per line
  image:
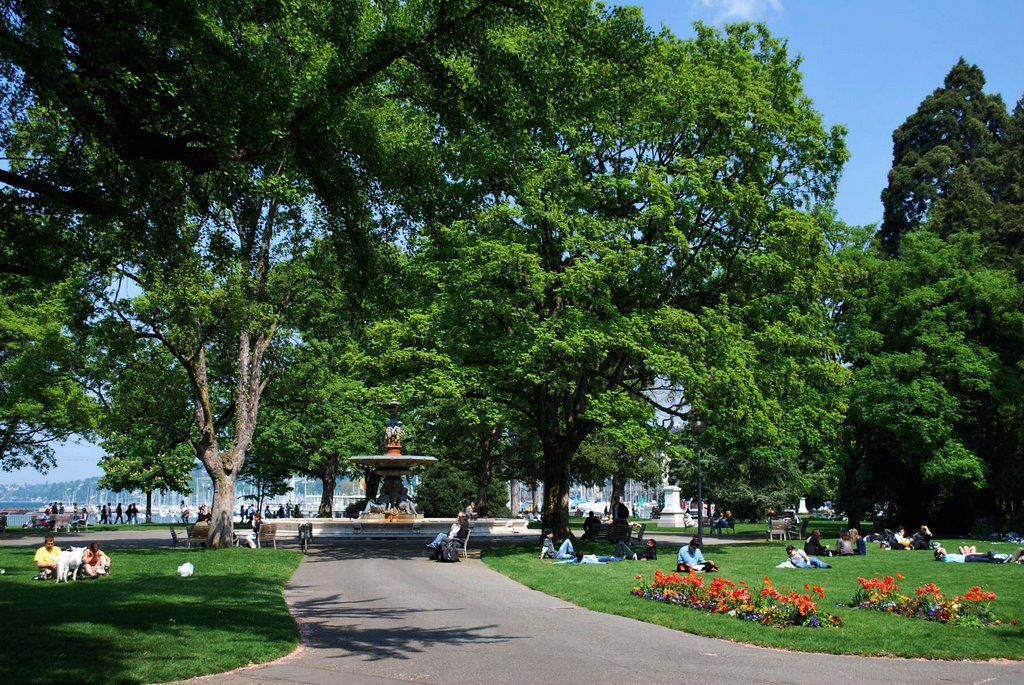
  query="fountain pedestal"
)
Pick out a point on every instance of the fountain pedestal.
point(392, 466)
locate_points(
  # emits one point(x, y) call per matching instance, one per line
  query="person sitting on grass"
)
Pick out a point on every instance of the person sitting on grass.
point(860, 545)
point(95, 562)
point(564, 551)
point(900, 536)
point(974, 556)
point(46, 559)
point(800, 559)
point(690, 558)
point(813, 546)
point(650, 552)
point(921, 539)
point(844, 546)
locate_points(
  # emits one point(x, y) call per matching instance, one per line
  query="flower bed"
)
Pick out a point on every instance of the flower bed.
point(928, 602)
point(769, 606)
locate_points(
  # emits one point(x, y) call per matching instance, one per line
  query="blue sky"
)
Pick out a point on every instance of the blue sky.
point(867, 65)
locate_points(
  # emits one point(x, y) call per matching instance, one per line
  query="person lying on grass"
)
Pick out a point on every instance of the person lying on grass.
point(988, 557)
point(800, 559)
point(581, 558)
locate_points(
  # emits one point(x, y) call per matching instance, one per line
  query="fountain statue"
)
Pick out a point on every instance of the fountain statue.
point(394, 502)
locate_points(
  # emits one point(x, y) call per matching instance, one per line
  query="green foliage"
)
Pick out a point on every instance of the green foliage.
point(957, 127)
point(42, 400)
point(444, 491)
point(646, 237)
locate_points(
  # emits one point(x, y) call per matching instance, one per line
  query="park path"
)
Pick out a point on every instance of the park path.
point(395, 616)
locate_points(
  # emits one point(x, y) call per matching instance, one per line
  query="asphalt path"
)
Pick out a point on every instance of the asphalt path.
point(392, 615)
point(399, 617)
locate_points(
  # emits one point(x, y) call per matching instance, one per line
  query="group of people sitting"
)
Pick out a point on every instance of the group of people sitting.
point(94, 561)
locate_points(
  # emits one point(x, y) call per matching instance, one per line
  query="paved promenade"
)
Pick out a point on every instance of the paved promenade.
point(397, 617)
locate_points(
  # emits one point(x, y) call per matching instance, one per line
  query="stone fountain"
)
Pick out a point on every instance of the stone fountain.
point(393, 503)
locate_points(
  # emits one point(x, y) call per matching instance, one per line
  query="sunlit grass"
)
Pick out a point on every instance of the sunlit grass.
point(606, 589)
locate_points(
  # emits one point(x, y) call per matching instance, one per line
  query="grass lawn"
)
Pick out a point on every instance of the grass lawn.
point(607, 589)
point(145, 623)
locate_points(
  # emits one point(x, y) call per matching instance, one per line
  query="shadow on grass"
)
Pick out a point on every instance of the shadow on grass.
point(145, 623)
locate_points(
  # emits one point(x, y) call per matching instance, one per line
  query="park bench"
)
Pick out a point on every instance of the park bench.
point(781, 527)
point(197, 535)
point(617, 532)
point(175, 537)
point(268, 533)
point(464, 547)
point(62, 522)
point(729, 525)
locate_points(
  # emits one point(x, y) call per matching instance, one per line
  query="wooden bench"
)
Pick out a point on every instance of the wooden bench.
point(62, 522)
point(175, 537)
point(780, 527)
point(730, 524)
point(197, 535)
point(268, 533)
point(617, 532)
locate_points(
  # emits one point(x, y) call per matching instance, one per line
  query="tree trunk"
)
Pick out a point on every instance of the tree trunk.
point(222, 529)
point(852, 499)
point(149, 506)
point(513, 496)
point(328, 478)
point(557, 461)
point(618, 487)
point(488, 441)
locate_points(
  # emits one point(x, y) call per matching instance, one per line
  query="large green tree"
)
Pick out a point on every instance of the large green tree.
point(166, 139)
point(958, 126)
point(648, 235)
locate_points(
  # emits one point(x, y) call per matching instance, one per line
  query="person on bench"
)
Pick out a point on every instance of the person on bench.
point(458, 532)
point(252, 540)
point(591, 526)
point(724, 521)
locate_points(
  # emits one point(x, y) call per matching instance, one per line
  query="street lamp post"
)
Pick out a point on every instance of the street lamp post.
point(697, 427)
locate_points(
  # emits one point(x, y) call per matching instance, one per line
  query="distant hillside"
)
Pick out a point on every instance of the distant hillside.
point(64, 491)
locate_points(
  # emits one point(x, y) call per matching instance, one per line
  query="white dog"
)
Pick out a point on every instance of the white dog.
point(68, 562)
